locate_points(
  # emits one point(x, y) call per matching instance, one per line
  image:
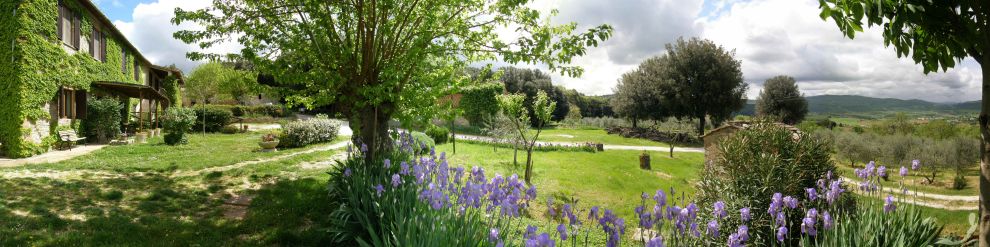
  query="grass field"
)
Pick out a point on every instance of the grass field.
point(593, 135)
point(610, 179)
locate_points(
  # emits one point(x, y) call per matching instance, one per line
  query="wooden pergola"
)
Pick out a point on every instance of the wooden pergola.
point(156, 99)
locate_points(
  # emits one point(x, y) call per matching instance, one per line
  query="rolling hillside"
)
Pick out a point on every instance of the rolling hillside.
point(852, 104)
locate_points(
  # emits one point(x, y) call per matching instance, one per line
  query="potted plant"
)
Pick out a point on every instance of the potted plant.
point(141, 137)
point(269, 142)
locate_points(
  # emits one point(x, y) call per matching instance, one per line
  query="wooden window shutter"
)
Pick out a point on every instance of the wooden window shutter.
point(76, 26)
point(61, 16)
point(81, 104)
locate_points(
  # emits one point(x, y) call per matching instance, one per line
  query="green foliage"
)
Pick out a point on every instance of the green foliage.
point(172, 90)
point(871, 226)
point(35, 68)
point(781, 100)
point(304, 132)
point(530, 82)
point(934, 33)
point(698, 79)
point(204, 82)
point(588, 106)
point(753, 164)
point(439, 134)
point(426, 143)
point(103, 119)
point(542, 110)
point(638, 95)
point(230, 129)
point(477, 101)
point(375, 76)
point(213, 118)
point(176, 122)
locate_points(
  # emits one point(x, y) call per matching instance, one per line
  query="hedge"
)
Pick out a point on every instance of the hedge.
point(478, 101)
point(216, 119)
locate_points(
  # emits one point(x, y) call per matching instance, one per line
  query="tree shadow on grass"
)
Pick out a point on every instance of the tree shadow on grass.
point(156, 210)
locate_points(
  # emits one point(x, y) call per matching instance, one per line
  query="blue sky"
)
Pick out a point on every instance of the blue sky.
point(120, 10)
point(769, 37)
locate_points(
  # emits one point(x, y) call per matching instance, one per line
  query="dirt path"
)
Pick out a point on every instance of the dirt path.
point(948, 202)
point(607, 146)
point(51, 157)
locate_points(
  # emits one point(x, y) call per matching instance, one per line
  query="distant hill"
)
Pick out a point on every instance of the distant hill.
point(851, 104)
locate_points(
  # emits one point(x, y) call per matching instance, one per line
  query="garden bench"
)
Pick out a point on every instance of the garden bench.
point(68, 138)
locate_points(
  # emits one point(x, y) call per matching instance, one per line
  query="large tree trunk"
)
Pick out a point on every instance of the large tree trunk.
point(701, 125)
point(985, 155)
point(370, 125)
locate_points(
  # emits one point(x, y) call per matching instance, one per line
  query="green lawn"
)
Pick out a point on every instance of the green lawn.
point(611, 179)
point(202, 151)
point(160, 208)
point(593, 135)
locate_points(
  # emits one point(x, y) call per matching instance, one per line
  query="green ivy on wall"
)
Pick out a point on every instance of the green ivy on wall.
point(40, 66)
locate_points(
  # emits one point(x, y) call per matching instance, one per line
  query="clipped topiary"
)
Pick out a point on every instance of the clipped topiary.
point(439, 134)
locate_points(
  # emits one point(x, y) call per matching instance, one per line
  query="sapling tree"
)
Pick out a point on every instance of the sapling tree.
point(543, 107)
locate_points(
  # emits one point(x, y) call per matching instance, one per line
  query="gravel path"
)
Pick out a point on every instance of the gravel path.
point(607, 146)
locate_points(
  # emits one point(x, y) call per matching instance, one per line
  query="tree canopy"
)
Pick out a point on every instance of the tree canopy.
point(781, 100)
point(695, 78)
point(376, 60)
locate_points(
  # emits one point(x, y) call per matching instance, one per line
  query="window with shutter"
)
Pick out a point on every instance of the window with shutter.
point(68, 103)
point(98, 45)
point(80, 104)
point(65, 25)
point(76, 29)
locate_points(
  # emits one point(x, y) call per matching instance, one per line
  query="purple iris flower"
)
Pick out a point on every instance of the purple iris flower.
point(812, 194)
point(744, 214)
point(388, 163)
point(562, 230)
point(889, 205)
point(379, 189)
point(655, 242)
point(660, 197)
point(781, 234)
point(915, 164)
point(712, 229)
point(347, 172)
point(904, 171)
point(882, 171)
point(396, 180)
point(493, 235)
point(827, 220)
point(719, 209)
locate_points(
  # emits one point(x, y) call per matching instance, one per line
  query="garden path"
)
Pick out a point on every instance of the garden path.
point(949, 202)
point(51, 157)
point(607, 146)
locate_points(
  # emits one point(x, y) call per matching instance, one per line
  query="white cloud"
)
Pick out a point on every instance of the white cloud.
point(151, 32)
point(775, 37)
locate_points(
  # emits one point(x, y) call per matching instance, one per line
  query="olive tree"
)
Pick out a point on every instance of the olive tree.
point(935, 34)
point(781, 100)
point(383, 59)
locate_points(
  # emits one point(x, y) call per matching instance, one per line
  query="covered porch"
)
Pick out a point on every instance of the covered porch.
point(146, 114)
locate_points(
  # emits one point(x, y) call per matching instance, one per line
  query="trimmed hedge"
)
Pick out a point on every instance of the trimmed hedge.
point(304, 132)
point(439, 134)
point(216, 119)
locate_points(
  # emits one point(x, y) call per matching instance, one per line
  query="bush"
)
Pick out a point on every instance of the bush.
point(237, 111)
point(304, 132)
point(102, 119)
point(176, 122)
point(425, 142)
point(439, 134)
point(272, 111)
point(753, 164)
point(216, 119)
point(959, 182)
point(231, 129)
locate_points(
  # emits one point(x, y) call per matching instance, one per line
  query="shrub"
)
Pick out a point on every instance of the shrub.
point(425, 142)
point(237, 111)
point(102, 119)
point(231, 129)
point(272, 110)
point(304, 132)
point(439, 134)
point(176, 122)
point(216, 119)
point(959, 182)
point(753, 164)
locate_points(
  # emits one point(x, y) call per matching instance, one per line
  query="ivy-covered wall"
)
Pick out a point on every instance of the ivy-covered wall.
point(41, 66)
